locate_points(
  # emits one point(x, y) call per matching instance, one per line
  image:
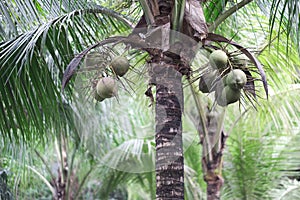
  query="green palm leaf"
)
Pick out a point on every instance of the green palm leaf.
point(31, 66)
point(283, 15)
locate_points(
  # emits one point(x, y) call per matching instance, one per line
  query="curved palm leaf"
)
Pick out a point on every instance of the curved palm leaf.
point(283, 15)
point(258, 158)
point(32, 63)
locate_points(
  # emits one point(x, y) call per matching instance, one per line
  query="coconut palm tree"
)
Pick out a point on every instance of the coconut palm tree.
point(33, 103)
point(29, 114)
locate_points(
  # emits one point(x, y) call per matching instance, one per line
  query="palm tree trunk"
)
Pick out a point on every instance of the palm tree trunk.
point(169, 151)
point(214, 180)
point(212, 154)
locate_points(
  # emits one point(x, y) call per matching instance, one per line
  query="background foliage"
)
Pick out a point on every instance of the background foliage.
point(106, 142)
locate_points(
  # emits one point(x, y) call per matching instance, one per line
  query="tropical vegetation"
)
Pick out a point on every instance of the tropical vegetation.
point(59, 142)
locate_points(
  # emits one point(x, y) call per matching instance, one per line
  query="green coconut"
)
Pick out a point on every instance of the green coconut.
point(206, 82)
point(236, 79)
point(107, 87)
point(120, 65)
point(98, 97)
point(218, 59)
point(228, 96)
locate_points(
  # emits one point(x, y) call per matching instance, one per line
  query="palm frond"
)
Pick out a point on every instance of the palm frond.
point(289, 190)
point(283, 15)
point(21, 16)
point(32, 63)
point(248, 166)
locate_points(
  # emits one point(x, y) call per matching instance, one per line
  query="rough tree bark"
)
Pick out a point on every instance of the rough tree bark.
point(169, 151)
point(168, 107)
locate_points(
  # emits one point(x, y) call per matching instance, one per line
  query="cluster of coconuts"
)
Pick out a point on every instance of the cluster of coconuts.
point(228, 89)
point(107, 87)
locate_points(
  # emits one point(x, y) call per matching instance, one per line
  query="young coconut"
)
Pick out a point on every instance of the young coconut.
point(206, 82)
point(97, 97)
point(120, 65)
point(228, 96)
point(236, 79)
point(218, 59)
point(107, 87)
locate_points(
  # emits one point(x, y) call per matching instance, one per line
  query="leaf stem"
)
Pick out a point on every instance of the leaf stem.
point(45, 163)
point(203, 122)
point(148, 14)
point(43, 179)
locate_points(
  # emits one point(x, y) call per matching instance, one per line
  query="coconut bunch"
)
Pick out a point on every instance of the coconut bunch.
point(222, 79)
point(107, 87)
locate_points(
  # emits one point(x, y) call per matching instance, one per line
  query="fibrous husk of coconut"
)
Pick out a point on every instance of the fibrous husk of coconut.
point(120, 65)
point(218, 59)
point(107, 87)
